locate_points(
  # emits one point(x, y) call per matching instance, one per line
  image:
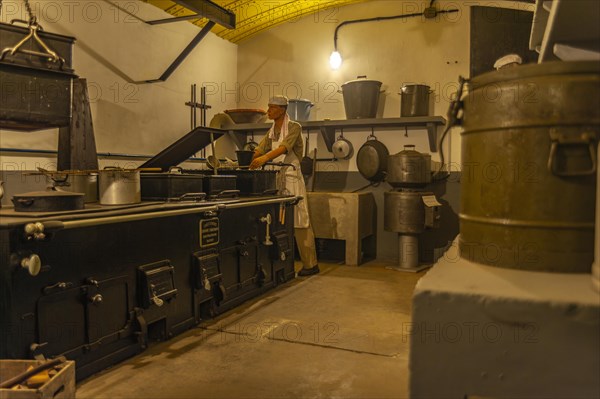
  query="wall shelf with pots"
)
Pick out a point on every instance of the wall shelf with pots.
point(239, 132)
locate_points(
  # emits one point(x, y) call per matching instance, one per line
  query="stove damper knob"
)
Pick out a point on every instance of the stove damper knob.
point(32, 263)
point(96, 299)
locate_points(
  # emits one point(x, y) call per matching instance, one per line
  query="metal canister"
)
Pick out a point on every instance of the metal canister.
point(404, 211)
point(409, 168)
point(529, 163)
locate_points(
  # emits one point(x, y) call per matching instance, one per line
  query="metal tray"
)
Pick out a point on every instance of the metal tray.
point(36, 93)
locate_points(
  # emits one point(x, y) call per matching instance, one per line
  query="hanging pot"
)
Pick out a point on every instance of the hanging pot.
point(299, 109)
point(361, 98)
point(48, 201)
point(119, 186)
point(342, 148)
point(372, 160)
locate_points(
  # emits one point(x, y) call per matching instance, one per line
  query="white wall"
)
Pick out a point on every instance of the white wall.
point(293, 59)
point(113, 50)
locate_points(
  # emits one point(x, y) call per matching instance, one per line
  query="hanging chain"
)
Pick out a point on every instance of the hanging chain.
point(32, 19)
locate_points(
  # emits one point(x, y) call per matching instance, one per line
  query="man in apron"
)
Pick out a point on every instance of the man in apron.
point(283, 143)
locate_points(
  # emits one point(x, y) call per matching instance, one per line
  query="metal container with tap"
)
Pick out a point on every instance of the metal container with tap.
point(409, 168)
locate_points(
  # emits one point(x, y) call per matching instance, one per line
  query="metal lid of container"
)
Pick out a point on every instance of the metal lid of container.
point(183, 148)
point(299, 100)
point(535, 70)
point(362, 79)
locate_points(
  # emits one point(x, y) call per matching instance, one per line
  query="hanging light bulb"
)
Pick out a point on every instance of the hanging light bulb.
point(335, 60)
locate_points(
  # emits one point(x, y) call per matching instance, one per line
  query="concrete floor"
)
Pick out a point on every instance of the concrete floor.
point(338, 334)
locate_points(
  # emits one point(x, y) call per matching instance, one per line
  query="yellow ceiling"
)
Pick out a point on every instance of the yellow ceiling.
point(255, 16)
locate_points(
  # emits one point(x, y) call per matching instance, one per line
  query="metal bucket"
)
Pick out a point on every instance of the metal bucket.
point(414, 100)
point(299, 110)
point(361, 98)
point(529, 163)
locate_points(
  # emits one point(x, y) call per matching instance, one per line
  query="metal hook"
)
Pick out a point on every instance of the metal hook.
point(33, 28)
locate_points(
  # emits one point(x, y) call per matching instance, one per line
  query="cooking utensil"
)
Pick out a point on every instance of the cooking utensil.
point(119, 186)
point(342, 148)
point(361, 98)
point(171, 186)
point(314, 170)
point(299, 109)
point(48, 201)
point(372, 159)
point(414, 100)
point(409, 168)
point(244, 157)
point(76, 183)
point(306, 163)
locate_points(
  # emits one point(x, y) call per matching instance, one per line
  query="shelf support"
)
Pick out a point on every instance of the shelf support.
point(328, 134)
point(239, 138)
point(433, 136)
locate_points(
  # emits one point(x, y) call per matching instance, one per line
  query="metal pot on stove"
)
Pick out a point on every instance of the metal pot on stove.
point(86, 183)
point(119, 186)
point(409, 168)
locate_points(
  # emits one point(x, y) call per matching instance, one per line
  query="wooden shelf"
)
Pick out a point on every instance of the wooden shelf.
point(328, 128)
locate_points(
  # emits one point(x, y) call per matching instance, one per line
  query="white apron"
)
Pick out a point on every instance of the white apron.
point(290, 181)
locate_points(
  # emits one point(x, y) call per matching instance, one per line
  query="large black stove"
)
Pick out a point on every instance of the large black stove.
point(97, 285)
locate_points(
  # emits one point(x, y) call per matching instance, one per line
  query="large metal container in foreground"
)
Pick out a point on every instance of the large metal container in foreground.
point(529, 162)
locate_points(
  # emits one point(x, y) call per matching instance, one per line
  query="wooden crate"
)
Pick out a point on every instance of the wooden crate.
point(61, 386)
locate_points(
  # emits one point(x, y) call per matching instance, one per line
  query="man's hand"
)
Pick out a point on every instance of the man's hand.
point(258, 162)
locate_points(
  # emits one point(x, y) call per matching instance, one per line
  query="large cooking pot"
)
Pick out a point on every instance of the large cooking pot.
point(86, 183)
point(529, 153)
point(119, 186)
point(299, 109)
point(409, 168)
point(372, 160)
point(414, 100)
point(48, 201)
point(361, 98)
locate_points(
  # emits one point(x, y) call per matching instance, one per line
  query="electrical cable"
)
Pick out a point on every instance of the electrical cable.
point(356, 21)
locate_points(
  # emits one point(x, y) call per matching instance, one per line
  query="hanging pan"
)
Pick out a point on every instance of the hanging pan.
point(372, 159)
point(306, 165)
point(342, 148)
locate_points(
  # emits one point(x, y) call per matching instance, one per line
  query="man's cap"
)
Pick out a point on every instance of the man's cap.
point(279, 100)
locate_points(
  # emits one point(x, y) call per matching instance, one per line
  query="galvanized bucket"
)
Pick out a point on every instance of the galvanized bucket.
point(529, 163)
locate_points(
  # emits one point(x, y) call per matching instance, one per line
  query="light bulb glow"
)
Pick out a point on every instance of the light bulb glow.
point(335, 60)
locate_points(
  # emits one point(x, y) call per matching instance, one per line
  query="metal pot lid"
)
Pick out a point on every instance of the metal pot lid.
point(362, 79)
point(409, 151)
point(536, 70)
point(49, 194)
point(300, 100)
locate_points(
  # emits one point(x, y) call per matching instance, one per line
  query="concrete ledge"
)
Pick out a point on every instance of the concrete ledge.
point(483, 331)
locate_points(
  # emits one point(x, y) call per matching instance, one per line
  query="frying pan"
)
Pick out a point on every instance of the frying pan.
point(372, 159)
point(306, 164)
